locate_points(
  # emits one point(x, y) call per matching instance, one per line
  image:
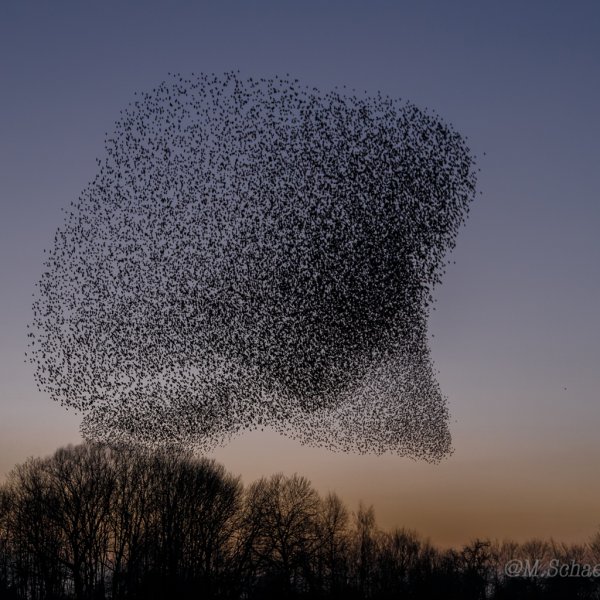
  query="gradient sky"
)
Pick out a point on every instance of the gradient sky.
point(516, 329)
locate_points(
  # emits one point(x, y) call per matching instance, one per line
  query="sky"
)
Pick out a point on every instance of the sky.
point(515, 335)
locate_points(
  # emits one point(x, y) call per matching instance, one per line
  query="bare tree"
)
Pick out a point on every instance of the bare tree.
point(334, 533)
point(365, 549)
point(288, 509)
point(93, 522)
point(81, 484)
point(37, 540)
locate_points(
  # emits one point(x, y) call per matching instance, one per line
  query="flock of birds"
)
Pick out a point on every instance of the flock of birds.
point(256, 253)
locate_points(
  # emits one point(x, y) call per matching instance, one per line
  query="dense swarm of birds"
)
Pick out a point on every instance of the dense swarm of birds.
point(256, 253)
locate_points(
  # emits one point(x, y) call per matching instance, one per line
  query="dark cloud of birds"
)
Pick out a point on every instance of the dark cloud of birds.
point(256, 253)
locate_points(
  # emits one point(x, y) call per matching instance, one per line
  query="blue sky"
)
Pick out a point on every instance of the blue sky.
point(517, 335)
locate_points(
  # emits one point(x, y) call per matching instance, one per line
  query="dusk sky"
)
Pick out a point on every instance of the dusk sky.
point(515, 335)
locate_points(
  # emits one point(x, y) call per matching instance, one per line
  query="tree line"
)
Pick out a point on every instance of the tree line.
point(95, 522)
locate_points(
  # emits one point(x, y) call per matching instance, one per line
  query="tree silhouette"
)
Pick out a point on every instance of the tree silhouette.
point(95, 522)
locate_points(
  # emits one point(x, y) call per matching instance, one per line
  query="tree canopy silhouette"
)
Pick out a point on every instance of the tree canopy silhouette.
point(99, 522)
